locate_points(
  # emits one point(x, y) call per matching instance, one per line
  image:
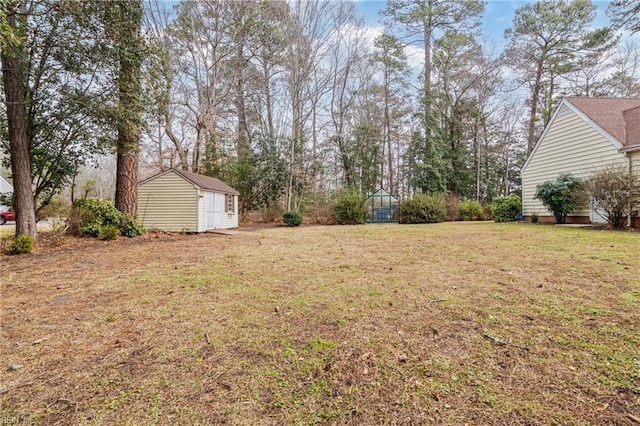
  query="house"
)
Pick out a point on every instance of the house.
point(177, 200)
point(583, 136)
point(5, 186)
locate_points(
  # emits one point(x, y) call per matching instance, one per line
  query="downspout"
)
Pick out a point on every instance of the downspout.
point(630, 186)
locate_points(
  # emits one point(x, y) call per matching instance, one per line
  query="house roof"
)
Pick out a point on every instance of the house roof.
point(203, 182)
point(616, 119)
point(614, 115)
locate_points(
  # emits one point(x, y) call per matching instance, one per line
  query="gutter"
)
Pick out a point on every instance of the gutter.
point(631, 148)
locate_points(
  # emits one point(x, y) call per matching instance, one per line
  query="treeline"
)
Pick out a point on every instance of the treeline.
point(290, 100)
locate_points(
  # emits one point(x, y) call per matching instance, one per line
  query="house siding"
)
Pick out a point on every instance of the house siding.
point(168, 202)
point(635, 168)
point(570, 145)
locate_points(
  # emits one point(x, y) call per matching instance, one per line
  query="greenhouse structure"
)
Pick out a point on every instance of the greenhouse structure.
point(381, 207)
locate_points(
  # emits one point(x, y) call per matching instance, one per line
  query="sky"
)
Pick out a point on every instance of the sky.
point(497, 17)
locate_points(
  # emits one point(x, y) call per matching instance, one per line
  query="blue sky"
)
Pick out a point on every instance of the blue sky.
point(498, 16)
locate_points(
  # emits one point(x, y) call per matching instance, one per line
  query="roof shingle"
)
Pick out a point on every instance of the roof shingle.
point(609, 113)
point(206, 182)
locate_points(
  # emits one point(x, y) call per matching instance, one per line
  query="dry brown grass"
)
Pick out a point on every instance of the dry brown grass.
point(455, 323)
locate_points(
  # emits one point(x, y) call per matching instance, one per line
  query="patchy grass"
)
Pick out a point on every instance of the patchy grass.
point(452, 323)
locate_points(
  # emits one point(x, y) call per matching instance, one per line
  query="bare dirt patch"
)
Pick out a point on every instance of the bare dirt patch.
point(453, 323)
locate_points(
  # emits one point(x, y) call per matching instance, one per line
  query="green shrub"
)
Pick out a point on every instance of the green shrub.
point(88, 217)
point(507, 209)
point(561, 196)
point(57, 207)
point(22, 244)
point(423, 208)
point(470, 210)
point(534, 218)
point(348, 207)
point(487, 211)
point(292, 218)
point(108, 232)
point(130, 227)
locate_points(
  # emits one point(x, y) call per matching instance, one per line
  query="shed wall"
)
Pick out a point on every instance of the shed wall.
point(570, 145)
point(228, 220)
point(168, 202)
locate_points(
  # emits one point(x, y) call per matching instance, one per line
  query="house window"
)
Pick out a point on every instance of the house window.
point(230, 203)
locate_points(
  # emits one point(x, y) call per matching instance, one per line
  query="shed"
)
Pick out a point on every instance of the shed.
point(177, 200)
point(5, 186)
point(583, 136)
point(381, 206)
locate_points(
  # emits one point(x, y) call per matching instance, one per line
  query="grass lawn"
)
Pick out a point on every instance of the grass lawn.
point(453, 323)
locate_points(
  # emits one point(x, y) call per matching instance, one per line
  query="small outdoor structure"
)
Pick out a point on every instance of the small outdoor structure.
point(5, 186)
point(381, 207)
point(176, 200)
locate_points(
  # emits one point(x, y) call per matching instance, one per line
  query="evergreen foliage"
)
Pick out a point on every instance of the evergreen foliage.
point(292, 218)
point(423, 208)
point(470, 210)
point(93, 217)
point(22, 244)
point(506, 209)
point(561, 196)
point(348, 207)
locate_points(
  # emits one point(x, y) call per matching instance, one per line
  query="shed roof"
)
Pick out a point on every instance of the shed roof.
point(203, 182)
point(611, 115)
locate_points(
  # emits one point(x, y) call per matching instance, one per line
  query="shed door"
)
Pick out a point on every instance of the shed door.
point(219, 209)
point(209, 210)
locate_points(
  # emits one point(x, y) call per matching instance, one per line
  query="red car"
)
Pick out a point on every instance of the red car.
point(6, 213)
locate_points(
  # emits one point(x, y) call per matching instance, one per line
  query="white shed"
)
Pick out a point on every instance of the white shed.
point(5, 186)
point(176, 200)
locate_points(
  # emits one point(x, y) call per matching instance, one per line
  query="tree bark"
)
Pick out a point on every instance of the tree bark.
point(23, 201)
point(129, 108)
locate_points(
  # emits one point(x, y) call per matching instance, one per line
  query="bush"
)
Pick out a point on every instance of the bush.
point(348, 208)
point(470, 210)
point(57, 207)
point(317, 208)
point(89, 216)
point(22, 244)
point(534, 218)
point(130, 227)
point(108, 232)
point(507, 209)
point(614, 193)
point(292, 218)
point(487, 211)
point(423, 208)
point(561, 196)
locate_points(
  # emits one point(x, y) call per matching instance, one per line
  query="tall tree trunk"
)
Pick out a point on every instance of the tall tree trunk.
point(243, 143)
point(387, 131)
point(129, 19)
point(269, 102)
point(428, 30)
point(535, 96)
point(23, 201)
